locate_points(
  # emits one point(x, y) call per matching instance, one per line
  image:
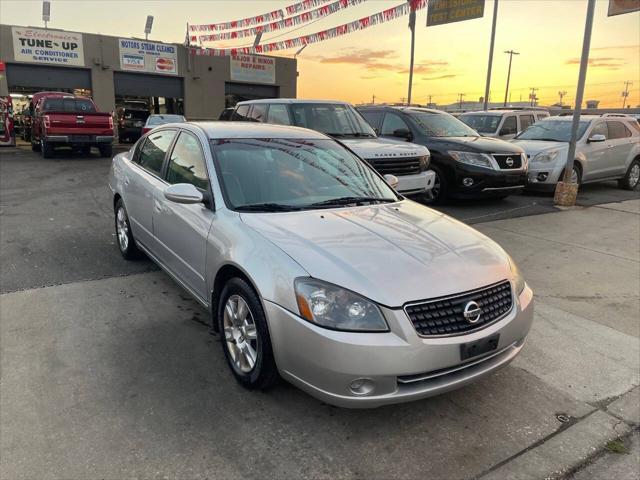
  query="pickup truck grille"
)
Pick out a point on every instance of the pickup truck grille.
point(509, 161)
point(444, 316)
point(396, 166)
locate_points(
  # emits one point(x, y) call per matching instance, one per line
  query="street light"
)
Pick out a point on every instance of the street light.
point(506, 93)
point(300, 50)
point(148, 26)
point(46, 12)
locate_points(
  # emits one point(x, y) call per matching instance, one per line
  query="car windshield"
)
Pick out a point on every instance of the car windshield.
point(268, 175)
point(441, 124)
point(162, 119)
point(336, 119)
point(552, 131)
point(481, 123)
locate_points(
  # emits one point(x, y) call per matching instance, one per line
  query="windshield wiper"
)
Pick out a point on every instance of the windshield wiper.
point(267, 207)
point(546, 139)
point(349, 200)
point(359, 135)
point(337, 135)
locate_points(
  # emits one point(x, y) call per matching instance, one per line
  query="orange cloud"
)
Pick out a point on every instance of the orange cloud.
point(440, 77)
point(611, 63)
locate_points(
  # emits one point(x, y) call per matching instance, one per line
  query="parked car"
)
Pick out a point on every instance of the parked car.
point(131, 119)
point(408, 162)
point(308, 262)
point(608, 148)
point(466, 165)
point(503, 124)
point(154, 121)
point(61, 119)
point(30, 109)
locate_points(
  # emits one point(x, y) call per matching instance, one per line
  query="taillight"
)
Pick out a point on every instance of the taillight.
point(145, 130)
point(111, 123)
point(47, 121)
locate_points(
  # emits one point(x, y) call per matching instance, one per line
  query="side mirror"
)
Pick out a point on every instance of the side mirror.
point(598, 137)
point(183, 193)
point(392, 180)
point(402, 133)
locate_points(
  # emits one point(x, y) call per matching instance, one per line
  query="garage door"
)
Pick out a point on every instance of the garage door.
point(249, 90)
point(141, 85)
point(47, 78)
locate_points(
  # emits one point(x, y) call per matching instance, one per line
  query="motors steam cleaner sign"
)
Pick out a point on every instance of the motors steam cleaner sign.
point(150, 57)
point(36, 45)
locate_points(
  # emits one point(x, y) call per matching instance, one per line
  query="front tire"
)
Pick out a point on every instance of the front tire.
point(440, 190)
point(245, 336)
point(631, 179)
point(124, 236)
point(35, 146)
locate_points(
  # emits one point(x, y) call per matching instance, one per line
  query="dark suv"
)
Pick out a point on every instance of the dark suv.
point(466, 164)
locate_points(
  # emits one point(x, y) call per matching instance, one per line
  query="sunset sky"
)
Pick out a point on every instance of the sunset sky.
point(450, 59)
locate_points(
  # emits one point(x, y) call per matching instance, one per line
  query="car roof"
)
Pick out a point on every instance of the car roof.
point(402, 109)
point(217, 130)
point(502, 112)
point(291, 100)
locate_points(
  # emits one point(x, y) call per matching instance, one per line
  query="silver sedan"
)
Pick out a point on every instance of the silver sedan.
point(313, 268)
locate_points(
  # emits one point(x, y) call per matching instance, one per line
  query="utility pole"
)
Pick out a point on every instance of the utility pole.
point(412, 27)
point(511, 53)
point(625, 94)
point(429, 104)
point(460, 95)
point(373, 99)
point(561, 94)
point(493, 39)
point(402, 101)
point(532, 96)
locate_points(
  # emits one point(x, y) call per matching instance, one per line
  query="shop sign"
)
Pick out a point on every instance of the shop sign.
point(37, 45)
point(149, 57)
point(253, 69)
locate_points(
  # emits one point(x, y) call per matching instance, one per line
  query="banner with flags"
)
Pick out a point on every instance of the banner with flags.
point(258, 19)
point(304, 17)
point(360, 24)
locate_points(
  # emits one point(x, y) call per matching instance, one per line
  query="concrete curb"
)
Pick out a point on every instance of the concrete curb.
point(563, 452)
point(627, 407)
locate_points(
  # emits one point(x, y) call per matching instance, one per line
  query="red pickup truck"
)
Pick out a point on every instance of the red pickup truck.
point(65, 120)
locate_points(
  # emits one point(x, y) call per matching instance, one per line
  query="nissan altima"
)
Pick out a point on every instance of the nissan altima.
point(313, 268)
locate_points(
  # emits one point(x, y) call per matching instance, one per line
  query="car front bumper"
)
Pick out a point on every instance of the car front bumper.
point(544, 177)
point(400, 365)
point(416, 184)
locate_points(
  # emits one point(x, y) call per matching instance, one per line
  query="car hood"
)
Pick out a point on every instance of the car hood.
point(369, 148)
point(533, 147)
point(392, 253)
point(473, 144)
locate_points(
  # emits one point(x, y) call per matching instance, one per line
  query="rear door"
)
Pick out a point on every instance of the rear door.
point(181, 230)
point(509, 127)
point(620, 145)
point(391, 123)
point(526, 121)
point(373, 118)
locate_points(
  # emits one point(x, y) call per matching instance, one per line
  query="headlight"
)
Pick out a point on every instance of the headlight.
point(518, 279)
point(424, 162)
point(546, 157)
point(333, 307)
point(476, 159)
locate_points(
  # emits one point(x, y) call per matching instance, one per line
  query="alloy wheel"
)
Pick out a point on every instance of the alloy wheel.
point(435, 190)
point(634, 175)
point(574, 175)
point(122, 229)
point(240, 334)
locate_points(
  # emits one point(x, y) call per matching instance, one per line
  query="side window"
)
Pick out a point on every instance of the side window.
point(278, 114)
point(187, 164)
point(618, 130)
point(154, 150)
point(241, 113)
point(391, 123)
point(600, 129)
point(259, 112)
point(526, 121)
point(372, 118)
point(135, 158)
point(509, 126)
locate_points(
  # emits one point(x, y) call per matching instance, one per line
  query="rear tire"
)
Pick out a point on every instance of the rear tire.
point(106, 150)
point(245, 336)
point(35, 146)
point(47, 149)
point(631, 179)
point(124, 236)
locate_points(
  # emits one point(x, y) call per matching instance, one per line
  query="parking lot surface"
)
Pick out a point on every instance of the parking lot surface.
point(108, 368)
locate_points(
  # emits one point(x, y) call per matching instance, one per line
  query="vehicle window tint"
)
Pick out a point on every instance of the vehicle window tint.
point(259, 112)
point(372, 118)
point(509, 126)
point(52, 105)
point(278, 114)
point(391, 123)
point(154, 149)
point(75, 105)
point(618, 130)
point(240, 115)
point(526, 121)
point(135, 158)
point(600, 129)
point(187, 164)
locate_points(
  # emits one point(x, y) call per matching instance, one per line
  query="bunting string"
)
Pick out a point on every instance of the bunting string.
point(360, 24)
point(304, 17)
point(258, 19)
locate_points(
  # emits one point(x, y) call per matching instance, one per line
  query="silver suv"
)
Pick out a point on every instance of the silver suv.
point(608, 148)
point(503, 124)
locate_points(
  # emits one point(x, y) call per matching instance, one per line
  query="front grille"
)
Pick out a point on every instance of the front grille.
point(503, 161)
point(396, 166)
point(444, 316)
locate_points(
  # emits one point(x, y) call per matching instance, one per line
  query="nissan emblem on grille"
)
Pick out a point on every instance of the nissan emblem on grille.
point(472, 311)
point(509, 162)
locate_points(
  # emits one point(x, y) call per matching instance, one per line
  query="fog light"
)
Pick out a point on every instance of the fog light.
point(362, 386)
point(542, 176)
point(467, 182)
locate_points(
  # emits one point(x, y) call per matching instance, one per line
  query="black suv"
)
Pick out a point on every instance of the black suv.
point(466, 164)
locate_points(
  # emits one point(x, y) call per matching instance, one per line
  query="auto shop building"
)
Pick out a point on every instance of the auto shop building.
point(115, 71)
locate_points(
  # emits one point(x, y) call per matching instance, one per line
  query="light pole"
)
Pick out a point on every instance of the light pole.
point(493, 39)
point(506, 93)
point(412, 27)
point(300, 50)
point(46, 12)
point(148, 26)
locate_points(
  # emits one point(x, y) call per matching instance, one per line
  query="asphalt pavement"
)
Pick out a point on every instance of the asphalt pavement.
point(108, 369)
